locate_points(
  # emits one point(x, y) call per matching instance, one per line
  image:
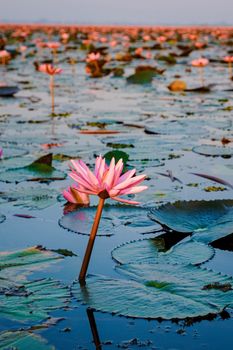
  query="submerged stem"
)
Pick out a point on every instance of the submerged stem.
point(87, 256)
point(230, 70)
point(202, 76)
point(52, 91)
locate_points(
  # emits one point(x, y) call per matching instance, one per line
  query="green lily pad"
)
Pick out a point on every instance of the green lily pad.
point(158, 291)
point(207, 220)
point(141, 77)
point(32, 301)
point(29, 301)
point(117, 155)
point(11, 152)
point(27, 257)
point(115, 218)
point(153, 250)
point(22, 340)
point(40, 170)
point(2, 218)
point(214, 151)
point(34, 198)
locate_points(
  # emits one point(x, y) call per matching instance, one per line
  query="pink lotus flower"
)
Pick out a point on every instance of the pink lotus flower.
point(200, 62)
point(4, 56)
point(161, 39)
point(22, 48)
point(228, 59)
point(139, 51)
point(93, 57)
point(54, 45)
point(199, 45)
point(106, 181)
point(1, 152)
point(4, 53)
point(72, 195)
point(49, 69)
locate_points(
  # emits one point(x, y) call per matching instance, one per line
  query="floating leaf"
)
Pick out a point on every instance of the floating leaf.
point(157, 291)
point(8, 91)
point(34, 198)
point(22, 340)
point(40, 170)
point(115, 218)
point(207, 220)
point(25, 301)
point(117, 155)
point(202, 89)
point(214, 151)
point(32, 301)
point(154, 250)
point(26, 258)
point(141, 77)
point(2, 218)
point(11, 152)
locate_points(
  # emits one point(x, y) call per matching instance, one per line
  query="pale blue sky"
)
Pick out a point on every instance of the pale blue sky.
point(119, 11)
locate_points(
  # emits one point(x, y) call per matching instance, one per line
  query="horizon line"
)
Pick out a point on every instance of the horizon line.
point(69, 23)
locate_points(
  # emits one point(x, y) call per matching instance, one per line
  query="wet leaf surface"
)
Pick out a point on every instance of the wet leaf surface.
point(157, 291)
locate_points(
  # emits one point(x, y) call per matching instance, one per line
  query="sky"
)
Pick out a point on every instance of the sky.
point(141, 12)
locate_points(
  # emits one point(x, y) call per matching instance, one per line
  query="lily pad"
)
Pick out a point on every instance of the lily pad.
point(11, 152)
point(141, 77)
point(115, 218)
point(207, 220)
point(157, 291)
point(22, 340)
point(29, 301)
point(8, 91)
point(34, 198)
point(117, 155)
point(40, 170)
point(32, 301)
point(2, 218)
point(27, 257)
point(201, 89)
point(153, 250)
point(214, 151)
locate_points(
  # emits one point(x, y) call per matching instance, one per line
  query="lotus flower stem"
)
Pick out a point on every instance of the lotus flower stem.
point(54, 56)
point(87, 256)
point(202, 76)
point(230, 69)
point(52, 91)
